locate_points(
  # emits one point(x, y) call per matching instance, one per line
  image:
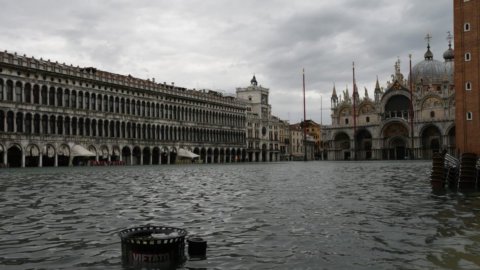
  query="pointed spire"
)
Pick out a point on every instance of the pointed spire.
point(377, 85)
point(334, 93)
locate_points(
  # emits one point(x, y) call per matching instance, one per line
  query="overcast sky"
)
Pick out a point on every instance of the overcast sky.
point(220, 44)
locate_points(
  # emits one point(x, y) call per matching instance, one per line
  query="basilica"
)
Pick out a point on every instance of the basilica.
point(411, 118)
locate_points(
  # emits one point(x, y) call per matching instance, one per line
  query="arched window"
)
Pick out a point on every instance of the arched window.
point(59, 97)
point(468, 86)
point(469, 115)
point(18, 92)
point(466, 27)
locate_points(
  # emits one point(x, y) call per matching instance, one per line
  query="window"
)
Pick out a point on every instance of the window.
point(368, 119)
point(346, 121)
point(466, 27)
point(468, 86)
point(432, 114)
point(469, 115)
point(468, 56)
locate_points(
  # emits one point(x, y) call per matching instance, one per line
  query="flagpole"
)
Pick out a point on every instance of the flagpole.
point(354, 113)
point(411, 105)
point(304, 119)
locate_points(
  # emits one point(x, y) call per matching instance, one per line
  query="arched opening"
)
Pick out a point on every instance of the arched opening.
point(146, 156)
point(209, 155)
point(431, 141)
point(136, 156)
point(14, 156)
point(395, 136)
point(203, 155)
point(342, 146)
point(216, 156)
point(63, 155)
point(264, 152)
point(156, 156)
point(364, 145)
point(173, 156)
point(397, 148)
point(115, 154)
point(104, 153)
point(397, 106)
point(126, 155)
point(48, 157)
point(32, 156)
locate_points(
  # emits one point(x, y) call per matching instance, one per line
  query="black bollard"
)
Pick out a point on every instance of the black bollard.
point(197, 248)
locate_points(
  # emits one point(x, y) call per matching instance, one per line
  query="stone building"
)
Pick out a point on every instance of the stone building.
point(264, 130)
point(314, 130)
point(467, 75)
point(385, 127)
point(54, 114)
point(301, 143)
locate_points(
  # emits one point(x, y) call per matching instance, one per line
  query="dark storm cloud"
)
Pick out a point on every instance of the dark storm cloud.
point(221, 44)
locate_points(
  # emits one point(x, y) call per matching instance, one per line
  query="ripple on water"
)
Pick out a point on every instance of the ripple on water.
point(336, 215)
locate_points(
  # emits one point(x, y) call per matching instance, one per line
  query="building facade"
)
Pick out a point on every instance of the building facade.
point(467, 76)
point(265, 132)
point(54, 114)
point(408, 119)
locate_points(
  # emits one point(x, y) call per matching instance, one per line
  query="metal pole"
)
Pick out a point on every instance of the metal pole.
point(354, 113)
point(411, 105)
point(304, 119)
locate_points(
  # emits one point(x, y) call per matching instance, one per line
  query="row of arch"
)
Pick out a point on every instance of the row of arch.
point(395, 143)
point(46, 155)
point(59, 97)
point(28, 123)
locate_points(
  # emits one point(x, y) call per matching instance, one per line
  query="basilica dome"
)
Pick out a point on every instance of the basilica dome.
point(431, 71)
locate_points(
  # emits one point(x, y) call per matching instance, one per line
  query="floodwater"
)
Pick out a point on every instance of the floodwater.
point(293, 215)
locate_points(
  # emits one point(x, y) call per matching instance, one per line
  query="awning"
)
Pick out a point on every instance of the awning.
point(80, 151)
point(186, 154)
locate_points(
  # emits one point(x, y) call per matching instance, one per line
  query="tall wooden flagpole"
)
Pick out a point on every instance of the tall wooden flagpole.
point(304, 118)
point(354, 113)
point(411, 106)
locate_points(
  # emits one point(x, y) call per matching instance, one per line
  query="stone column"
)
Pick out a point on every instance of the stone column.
point(40, 159)
point(56, 159)
point(23, 159)
point(168, 158)
point(5, 157)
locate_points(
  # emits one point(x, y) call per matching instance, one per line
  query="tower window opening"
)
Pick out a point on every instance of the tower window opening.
point(466, 27)
point(469, 115)
point(468, 56)
point(468, 86)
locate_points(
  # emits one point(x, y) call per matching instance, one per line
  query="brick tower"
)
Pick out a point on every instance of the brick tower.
point(467, 77)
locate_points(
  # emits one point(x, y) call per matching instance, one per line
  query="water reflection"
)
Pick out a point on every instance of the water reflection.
point(335, 215)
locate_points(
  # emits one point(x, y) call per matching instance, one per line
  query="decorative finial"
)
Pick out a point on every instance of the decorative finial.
point(428, 37)
point(428, 54)
point(449, 38)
